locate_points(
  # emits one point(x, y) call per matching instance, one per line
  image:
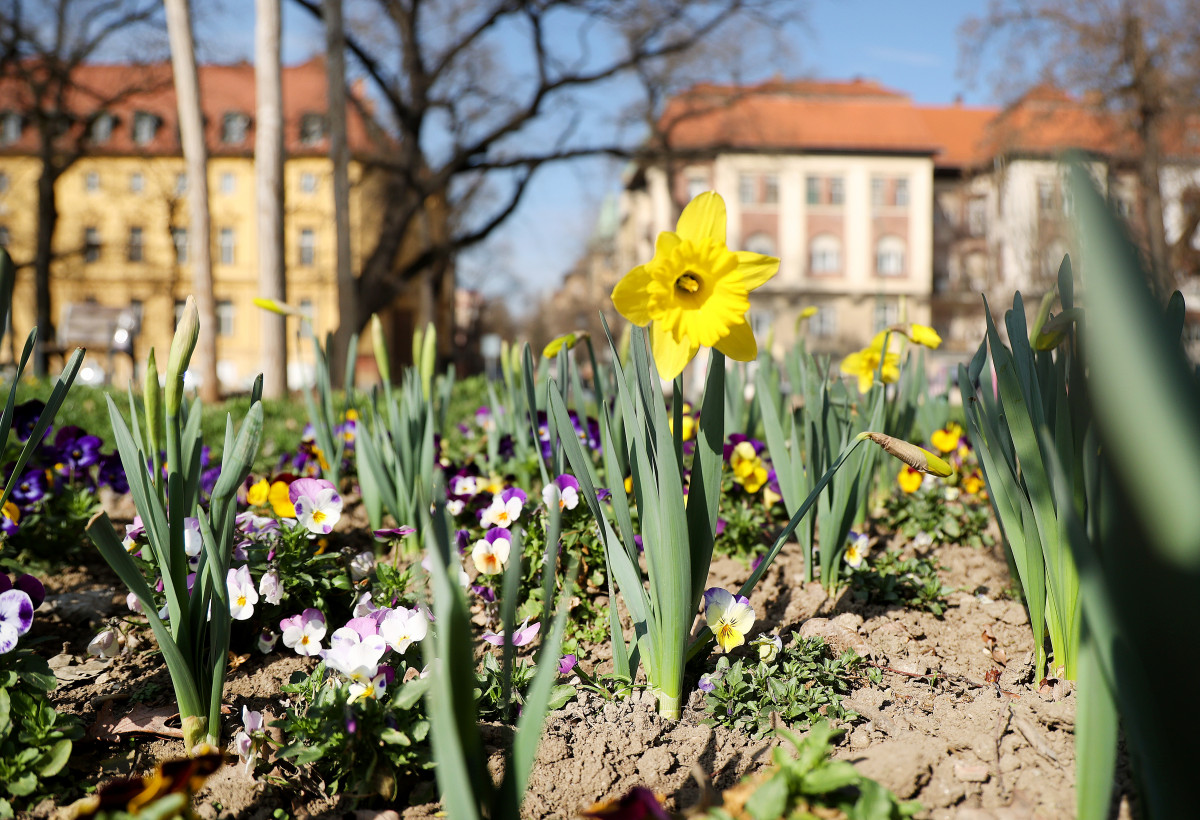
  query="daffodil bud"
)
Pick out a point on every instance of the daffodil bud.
point(568, 340)
point(916, 457)
point(152, 398)
point(379, 344)
point(182, 346)
point(428, 355)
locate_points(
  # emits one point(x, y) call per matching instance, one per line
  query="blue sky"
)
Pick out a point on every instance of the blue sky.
point(911, 46)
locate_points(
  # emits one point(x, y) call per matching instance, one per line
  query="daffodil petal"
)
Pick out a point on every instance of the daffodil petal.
point(703, 218)
point(756, 268)
point(670, 356)
point(666, 243)
point(739, 345)
point(629, 296)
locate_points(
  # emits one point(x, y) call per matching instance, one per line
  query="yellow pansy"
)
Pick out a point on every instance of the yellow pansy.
point(689, 426)
point(947, 439)
point(11, 511)
point(695, 291)
point(910, 479)
point(865, 362)
point(256, 496)
point(277, 495)
point(972, 484)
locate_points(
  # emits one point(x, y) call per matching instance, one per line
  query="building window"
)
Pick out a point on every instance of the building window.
point(145, 126)
point(102, 128)
point(760, 243)
point(306, 308)
point(5, 239)
point(180, 184)
point(1045, 196)
point(812, 188)
point(696, 185)
point(91, 182)
point(226, 245)
point(233, 128)
point(91, 244)
point(889, 256)
point(137, 182)
point(224, 317)
point(308, 247)
point(886, 314)
point(976, 216)
point(825, 254)
point(179, 238)
point(823, 324)
point(771, 189)
point(312, 129)
point(901, 193)
point(3, 183)
point(877, 186)
point(308, 183)
point(180, 304)
point(228, 183)
point(135, 252)
point(836, 192)
point(10, 127)
point(747, 189)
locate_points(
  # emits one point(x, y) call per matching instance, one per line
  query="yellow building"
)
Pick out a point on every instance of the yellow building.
point(122, 233)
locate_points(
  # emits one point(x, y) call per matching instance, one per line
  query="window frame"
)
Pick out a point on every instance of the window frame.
point(890, 248)
point(307, 248)
point(93, 245)
point(135, 249)
point(227, 246)
point(831, 255)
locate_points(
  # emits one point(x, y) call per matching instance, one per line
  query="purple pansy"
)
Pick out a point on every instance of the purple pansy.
point(16, 616)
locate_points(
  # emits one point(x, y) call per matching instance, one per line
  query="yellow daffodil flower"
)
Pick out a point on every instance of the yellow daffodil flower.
point(728, 616)
point(910, 479)
point(695, 291)
point(947, 439)
point(924, 335)
point(865, 362)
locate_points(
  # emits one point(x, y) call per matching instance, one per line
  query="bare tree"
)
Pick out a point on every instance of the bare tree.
point(473, 126)
point(339, 155)
point(195, 155)
point(268, 172)
point(43, 45)
point(1139, 57)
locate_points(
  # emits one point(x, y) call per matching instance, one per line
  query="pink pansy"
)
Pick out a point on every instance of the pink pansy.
point(401, 627)
point(304, 632)
point(318, 505)
point(520, 637)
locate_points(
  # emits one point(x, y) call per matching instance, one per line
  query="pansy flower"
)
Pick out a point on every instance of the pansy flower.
point(16, 617)
point(910, 480)
point(564, 490)
point(728, 616)
point(857, 550)
point(304, 632)
point(242, 594)
point(279, 497)
point(318, 505)
point(505, 508)
point(401, 627)
point(520, 637)
point(491, 552)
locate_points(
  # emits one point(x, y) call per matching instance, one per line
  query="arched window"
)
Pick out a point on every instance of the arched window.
point(760, 243)
point(825, 254)
point(889, 256)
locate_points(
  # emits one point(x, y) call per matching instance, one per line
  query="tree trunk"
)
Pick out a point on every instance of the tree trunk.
point(47, 220)
point(268, 170)
point(195, 154)
point(1149, 164)
point(339, 155)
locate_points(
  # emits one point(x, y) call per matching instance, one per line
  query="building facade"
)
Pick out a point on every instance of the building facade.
point(881, 210)
point(122, 235)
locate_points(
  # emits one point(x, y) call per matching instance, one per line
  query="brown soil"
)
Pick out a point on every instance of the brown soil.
point(935, 730)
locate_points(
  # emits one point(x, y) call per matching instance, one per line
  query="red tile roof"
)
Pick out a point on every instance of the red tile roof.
point(855, 116)
point(127, 90)
point(863, 116)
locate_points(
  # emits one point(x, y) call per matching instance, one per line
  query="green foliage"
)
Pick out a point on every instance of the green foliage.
point(35, 741)
point(802, 783)
point(909, 582)
point(491, 688)
point(801, 685)
point(361, 747)
point(963, 520)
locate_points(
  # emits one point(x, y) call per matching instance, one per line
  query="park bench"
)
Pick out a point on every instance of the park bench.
point(99, 328)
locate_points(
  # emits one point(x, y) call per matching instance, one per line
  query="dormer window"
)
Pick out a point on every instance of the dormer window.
point(102, 128)
point(234, 127)
point(312, 129)
point(10, 127)
point(145, 126)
